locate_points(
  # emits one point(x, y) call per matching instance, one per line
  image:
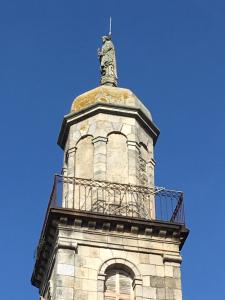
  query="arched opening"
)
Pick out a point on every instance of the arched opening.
point(128, 273)
point(84, 158)
point(118, 285)
point(117, 158)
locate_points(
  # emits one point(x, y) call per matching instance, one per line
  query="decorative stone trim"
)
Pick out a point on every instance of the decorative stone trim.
point(136, 113)
point(65, 245)
point(172, 258)
point(71, 151)
point(100, 139)
point(123, 262)
point(130, 267)
point(83, 220)
point(133, 144)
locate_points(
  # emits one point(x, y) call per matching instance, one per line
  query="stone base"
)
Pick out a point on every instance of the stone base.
point(79, 248)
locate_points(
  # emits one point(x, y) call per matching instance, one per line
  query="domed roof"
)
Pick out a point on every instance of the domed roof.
point(111, 95)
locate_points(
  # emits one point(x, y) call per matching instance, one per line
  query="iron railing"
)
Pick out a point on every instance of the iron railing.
point(117, 199)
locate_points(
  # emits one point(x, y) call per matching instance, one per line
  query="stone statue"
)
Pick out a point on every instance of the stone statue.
point(107, 60)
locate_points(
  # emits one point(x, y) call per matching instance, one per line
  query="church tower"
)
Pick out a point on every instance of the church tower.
point(109, 233)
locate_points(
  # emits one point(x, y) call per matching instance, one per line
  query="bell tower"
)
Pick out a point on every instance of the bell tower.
point(109, 232)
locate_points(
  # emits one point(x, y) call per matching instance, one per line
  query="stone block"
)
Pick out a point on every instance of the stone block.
point(147, 269)
point(117, 126)
point(146, 280)
point(65, 256)
point(66, 281)
point(118, 253)
point(161, 293)
point(149, 292)
point(126, 129)
point(170, 282)
point(176, 272)
point(80, 294)
point(92, 296)
point(144, 258)
point(156, 259)
point(156, 281)
point(80, 261)
point(94, 252)
point(138, 291)
point(78, 283)
point(89, 285)
point(115, 240)
point(64, 293)
point(177, 294)
point(160, 271)
point(168, 271)
point(64, 269)
point(133, 257)
point(92, 274)
point(82, 272)
point(169, 294)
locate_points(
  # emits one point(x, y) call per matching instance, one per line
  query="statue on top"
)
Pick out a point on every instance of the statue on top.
point(107, 60)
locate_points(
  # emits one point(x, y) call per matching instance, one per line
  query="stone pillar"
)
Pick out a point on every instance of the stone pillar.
point(151, 172)
point(100, 157)
point(64, 275)
point(138, 288)
point(151, 184)
point(100, 286)
point(133, 154)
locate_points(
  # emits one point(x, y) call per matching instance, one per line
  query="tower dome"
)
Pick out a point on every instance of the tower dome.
point(111, 95)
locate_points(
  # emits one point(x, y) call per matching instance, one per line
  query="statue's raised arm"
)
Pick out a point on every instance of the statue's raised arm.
point(107, 60)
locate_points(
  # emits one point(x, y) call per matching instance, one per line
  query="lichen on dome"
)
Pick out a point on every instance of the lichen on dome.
point(111, 95)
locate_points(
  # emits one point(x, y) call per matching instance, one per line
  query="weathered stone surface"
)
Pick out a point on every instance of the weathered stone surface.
point(111, 147)
point(97, 142)
point(156, 281)
point(108, 94)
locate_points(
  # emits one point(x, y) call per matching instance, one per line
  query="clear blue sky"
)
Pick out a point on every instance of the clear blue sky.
point(172, 55)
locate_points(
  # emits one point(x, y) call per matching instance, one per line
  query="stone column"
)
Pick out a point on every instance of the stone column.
point(65, 271)
point(133, 154)
point(100, 157)
point(138, 288)
point(100, 286)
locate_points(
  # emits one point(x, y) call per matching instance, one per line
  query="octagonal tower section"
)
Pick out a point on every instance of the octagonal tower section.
point(108, 140)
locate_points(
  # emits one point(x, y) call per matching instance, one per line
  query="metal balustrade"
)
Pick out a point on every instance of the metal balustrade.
point(117, 199)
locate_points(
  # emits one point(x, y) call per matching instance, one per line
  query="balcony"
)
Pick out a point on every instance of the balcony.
point(106, 206)
point(115, 199)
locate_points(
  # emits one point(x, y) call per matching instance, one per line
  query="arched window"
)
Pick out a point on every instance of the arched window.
point(118, 285)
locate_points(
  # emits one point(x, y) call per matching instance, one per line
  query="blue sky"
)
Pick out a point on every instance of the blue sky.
point(172, 55)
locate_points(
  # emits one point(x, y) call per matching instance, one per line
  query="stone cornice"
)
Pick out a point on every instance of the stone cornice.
point(106, 108)
point(90, 221)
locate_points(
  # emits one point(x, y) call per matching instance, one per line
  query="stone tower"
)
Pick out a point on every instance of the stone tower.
point(109, 232)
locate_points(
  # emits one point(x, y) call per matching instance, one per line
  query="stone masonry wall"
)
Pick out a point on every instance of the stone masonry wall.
point(99, 127)
point(80, 273)
point(112, 148)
